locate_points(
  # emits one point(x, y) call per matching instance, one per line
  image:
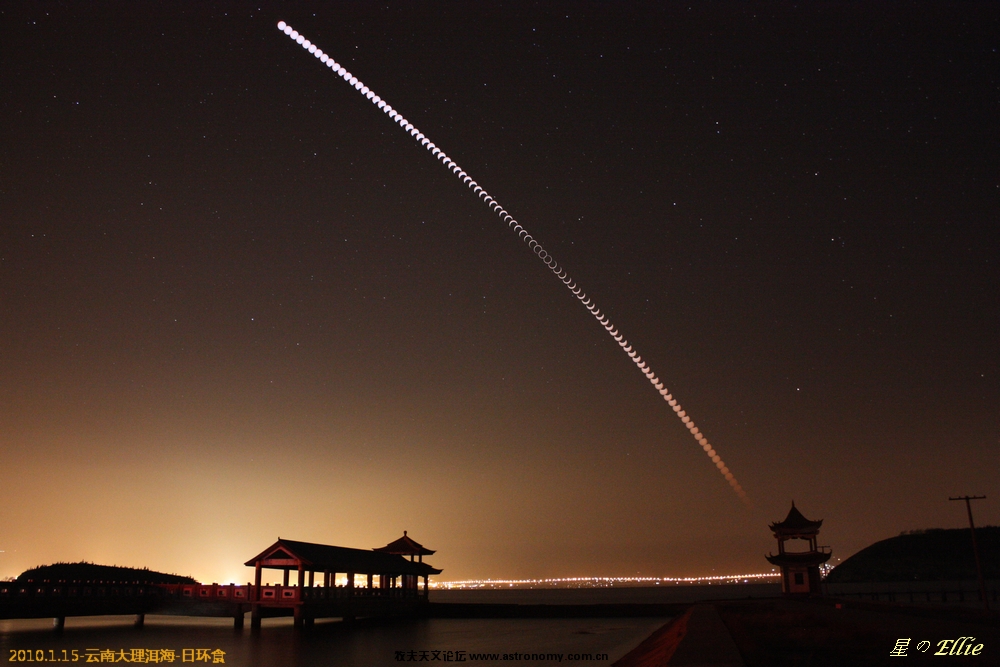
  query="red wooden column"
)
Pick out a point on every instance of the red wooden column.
point(298, 617)
point(255, 607)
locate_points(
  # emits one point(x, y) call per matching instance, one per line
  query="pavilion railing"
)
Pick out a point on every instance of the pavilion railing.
point(21, 591)
point(277, 593)
point(924, 592)
point(14, 591)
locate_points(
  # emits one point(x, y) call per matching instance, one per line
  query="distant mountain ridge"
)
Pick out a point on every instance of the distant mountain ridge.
point(90, 572)
point(936, 554)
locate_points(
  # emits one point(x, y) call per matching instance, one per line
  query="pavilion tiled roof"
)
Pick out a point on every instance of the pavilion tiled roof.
point(325, 557)
point(405, 546)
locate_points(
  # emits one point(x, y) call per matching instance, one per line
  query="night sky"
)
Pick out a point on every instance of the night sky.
point(238, 302)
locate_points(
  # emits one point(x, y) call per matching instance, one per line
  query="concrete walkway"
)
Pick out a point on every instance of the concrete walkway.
point(707, 642)
point(699, 638)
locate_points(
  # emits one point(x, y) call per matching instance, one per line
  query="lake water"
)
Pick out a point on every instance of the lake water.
point(665, 594)
point(371, 644)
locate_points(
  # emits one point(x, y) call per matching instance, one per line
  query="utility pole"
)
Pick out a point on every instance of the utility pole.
point(975, 547)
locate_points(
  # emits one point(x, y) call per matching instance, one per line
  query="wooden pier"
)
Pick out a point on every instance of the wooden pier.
point(388, 586)
point(59, 600)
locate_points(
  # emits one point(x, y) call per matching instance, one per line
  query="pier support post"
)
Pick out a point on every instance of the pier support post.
point(297, 621)
point(58, 623)
point(140, 620)
point(255, 619)
point(238, 618)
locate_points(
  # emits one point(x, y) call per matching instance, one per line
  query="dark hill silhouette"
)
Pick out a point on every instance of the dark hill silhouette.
point(91, 572)
point(936, 554)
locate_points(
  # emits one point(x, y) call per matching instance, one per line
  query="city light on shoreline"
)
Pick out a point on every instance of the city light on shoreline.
point(604, 582)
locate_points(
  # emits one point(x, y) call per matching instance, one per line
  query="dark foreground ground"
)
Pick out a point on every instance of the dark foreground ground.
point(779, 633)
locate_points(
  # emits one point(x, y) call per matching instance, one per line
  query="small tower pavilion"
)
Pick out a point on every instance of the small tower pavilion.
point(799, 569)
point(405, 546)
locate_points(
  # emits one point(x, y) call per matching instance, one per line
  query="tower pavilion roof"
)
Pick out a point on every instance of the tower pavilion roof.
point(796, 524)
